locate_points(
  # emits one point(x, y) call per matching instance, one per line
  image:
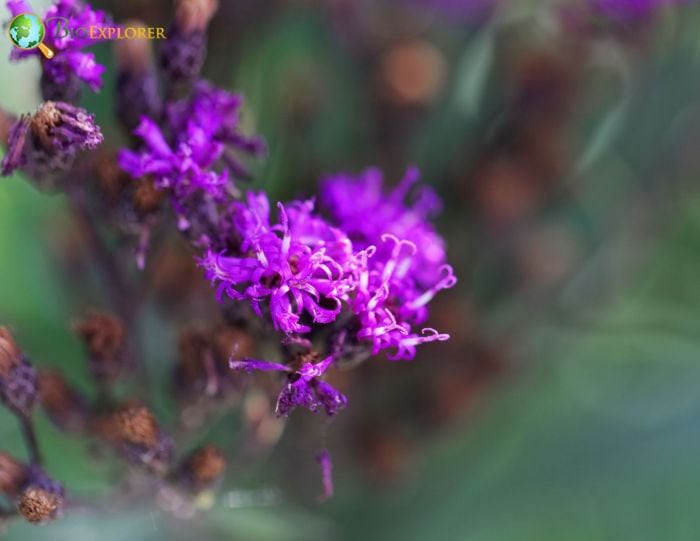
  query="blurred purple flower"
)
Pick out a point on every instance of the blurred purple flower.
point(183, 168)
point(50, 139)
point(360, 207)
point(70, 60)
point(217, 112)
point(304, 387)
point(394, 281)
point(323, 457)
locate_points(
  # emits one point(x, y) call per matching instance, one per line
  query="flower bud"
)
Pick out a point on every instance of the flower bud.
point(18, 385)
point(104, 337)
point(183, 53)
point(203, 468)
point(13, 475)
point(135, 433)
point(137, 84)
point(65, 407)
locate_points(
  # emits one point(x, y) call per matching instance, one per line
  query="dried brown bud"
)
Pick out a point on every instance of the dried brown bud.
point(39, 505)
point(194, 15)
point(205, 466)
point(134, 55)
point(10, 354)
point(138, 426)
point(64, 405)
point(147, 198)
point(13, 475)
point(113, 180)
point(7, 120)
point(105, 340)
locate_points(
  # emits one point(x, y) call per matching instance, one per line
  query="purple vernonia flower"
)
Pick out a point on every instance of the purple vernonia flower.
point(185, 168)
point(323, 457)
point(304, 387)
point(359, 207)
point(217, 112)
point(389, 302)
point(50, 139)
point(394, 280)
point(286, 264)
point(70, 60)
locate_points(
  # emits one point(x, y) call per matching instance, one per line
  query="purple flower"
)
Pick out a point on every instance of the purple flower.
point(196, 164)
point(304, 387)
point(323, 457)
point(50, 139)
point(393, 280)
point(183, 168)
point(289, 265)
point(70, 60)
point(389, 302)
point(217, 112)
point(359, 206)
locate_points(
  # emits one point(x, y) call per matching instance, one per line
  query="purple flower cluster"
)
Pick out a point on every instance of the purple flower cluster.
point(70, 60)
point(306, 270)
point(360, 276)
point(186, 157)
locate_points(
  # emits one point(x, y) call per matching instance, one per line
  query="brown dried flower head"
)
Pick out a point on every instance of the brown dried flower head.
point(39, 505)
point(206, 466)
point(137, 425)
point(105, 338)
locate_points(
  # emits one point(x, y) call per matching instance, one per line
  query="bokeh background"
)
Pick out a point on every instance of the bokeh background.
point(564, 140)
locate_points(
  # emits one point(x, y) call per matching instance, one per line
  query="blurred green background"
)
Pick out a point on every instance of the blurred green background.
point(564, 144)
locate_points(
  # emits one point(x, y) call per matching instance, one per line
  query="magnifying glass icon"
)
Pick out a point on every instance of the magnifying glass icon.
point(27, 32)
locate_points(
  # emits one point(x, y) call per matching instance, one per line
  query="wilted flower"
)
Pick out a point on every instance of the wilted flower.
point(49, 140)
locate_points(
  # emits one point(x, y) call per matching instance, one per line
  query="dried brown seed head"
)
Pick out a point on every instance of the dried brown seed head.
point(39, 505)
point(105, 339)
point(206, 465)
point(138, 426)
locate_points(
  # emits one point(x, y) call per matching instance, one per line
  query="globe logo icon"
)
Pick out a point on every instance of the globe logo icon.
point(27, 32)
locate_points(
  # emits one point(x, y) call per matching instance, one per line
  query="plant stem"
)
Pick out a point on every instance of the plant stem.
point(30, 440)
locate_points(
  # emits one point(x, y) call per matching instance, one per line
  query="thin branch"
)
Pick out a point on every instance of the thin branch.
point(30, 440)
